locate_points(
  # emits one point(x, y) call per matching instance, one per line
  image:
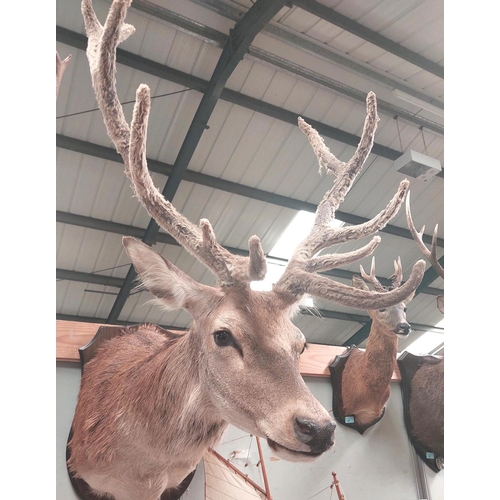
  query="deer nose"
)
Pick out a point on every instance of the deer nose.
point(404, 328)
point(318, 437)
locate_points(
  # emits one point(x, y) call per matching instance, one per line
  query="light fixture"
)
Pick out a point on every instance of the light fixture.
point(417, 165)
point(414, 164)
point(418, 102)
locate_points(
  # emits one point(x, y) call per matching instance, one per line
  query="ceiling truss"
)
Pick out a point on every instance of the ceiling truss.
point(235, 47)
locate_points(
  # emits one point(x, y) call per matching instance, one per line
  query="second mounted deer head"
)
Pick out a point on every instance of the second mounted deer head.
point(423, 377)
point(389, 320)
point(366, 375)
point(143, 398)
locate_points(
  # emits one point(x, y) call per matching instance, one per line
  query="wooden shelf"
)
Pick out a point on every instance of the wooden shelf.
point(71, 335)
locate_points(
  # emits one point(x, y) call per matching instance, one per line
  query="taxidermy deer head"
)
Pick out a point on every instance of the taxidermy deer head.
point(426, 407)
point(148, 406)
point(367, 373)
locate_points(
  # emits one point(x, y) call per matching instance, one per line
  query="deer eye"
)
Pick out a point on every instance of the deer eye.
point(304, 348)
point(382, 310)
point(223, 338)
point(404, 309)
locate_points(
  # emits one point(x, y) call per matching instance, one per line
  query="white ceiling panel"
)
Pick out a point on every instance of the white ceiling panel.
point(323, 75)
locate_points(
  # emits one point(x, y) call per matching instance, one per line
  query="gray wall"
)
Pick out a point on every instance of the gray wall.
point(378, 465)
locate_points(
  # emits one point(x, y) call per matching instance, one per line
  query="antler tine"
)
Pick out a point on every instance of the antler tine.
point(323, 235)
point(372, 278)
point(130, 142)
point(418, 237)
point(61, 66)
point(397, 277)
point(321, 286)
point(101, 54)
point(345, 172)
point(300, 275)
point(331, 261)
point(365, 276)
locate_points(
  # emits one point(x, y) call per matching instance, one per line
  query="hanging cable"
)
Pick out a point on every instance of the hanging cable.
point(423, 138)
point(123, 104)
point(399, 133)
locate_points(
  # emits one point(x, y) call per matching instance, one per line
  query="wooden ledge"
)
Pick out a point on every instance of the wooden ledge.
point(71, 335)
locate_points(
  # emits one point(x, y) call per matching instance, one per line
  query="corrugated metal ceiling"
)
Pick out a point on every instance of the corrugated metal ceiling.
point(253, 168)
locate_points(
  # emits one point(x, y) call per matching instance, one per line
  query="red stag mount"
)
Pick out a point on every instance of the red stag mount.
point(150, 406)
point(361, 377)
point(422, 378)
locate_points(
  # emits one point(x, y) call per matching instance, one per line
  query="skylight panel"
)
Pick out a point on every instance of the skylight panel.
point(295, 232)
point(427, 343)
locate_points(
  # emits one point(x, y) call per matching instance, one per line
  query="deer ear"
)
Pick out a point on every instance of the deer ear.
point(409, 298)
point(440, 303)
point(174, 288)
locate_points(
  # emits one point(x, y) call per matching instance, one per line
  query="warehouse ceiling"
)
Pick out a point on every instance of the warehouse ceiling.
point(236, 156)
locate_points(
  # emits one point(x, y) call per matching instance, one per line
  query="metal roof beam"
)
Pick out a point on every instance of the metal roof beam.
point(347, 24)
point(318, 50)
point(192, 82)
point(240, 38)
point(98, 279)
point(179, 22)
point(137, 232)
point(310, 76)
point(217, 38)
point(105, 153)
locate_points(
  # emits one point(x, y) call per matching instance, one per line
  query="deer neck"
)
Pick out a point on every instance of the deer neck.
point(381, 351)
point(183, 403)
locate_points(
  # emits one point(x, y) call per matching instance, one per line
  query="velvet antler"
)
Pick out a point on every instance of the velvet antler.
point(130, 142)
point(300, 275)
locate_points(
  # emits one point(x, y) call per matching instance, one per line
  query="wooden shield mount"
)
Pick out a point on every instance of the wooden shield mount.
point(409, 364)
point(336, 371)
point(87, 352)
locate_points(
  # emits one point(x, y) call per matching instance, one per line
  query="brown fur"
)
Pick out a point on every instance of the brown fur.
point(367, 374)
point(148, 408)
point(426, 407)
point(131, 394)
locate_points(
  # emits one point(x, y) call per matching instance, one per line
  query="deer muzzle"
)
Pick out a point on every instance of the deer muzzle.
point(315, 437)
point(403, 329)
point(318, 437)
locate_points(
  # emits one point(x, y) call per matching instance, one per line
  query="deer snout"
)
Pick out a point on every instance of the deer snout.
point(319, 437)
point(403, 329)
